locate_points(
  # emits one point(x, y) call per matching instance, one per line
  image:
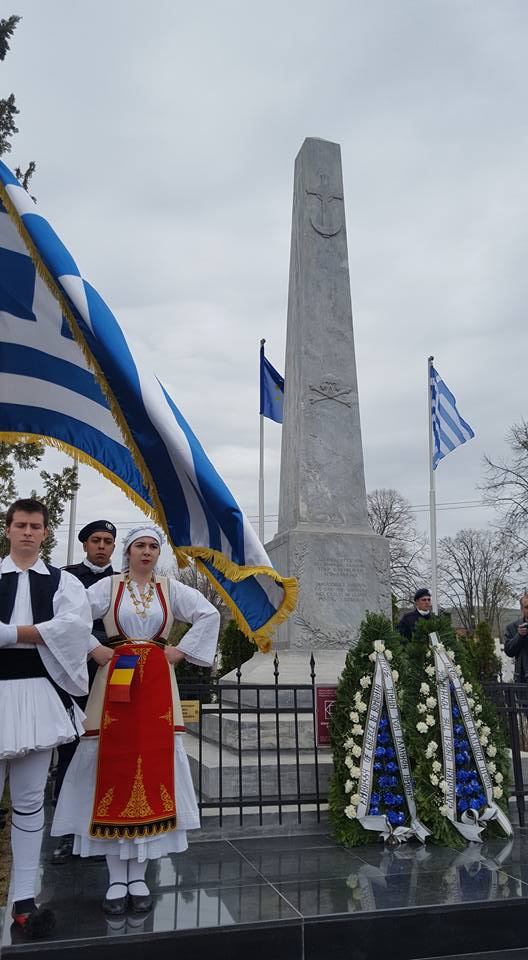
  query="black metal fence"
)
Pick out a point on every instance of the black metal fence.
point(253, 748)
point(511, 701)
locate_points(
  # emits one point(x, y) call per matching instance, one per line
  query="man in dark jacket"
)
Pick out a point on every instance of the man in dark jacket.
point(422, 611)
point(516, 642)
point(98, 540)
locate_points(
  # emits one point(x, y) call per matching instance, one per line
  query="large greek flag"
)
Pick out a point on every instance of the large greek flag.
point(449, 428)
point(68, 377)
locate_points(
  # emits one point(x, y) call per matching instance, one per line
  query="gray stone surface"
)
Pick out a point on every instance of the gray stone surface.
point(324, 537)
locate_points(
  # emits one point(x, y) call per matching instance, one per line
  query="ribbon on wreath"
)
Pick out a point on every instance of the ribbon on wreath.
point(472, 822)
point(383, 690)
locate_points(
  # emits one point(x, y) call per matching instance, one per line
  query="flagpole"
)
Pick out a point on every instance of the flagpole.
point(432, 496)
point(261, 459)
point(73, 514)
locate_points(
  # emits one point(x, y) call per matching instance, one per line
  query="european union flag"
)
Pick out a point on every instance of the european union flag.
point(271, 390)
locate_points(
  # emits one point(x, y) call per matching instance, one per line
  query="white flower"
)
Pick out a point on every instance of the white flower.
point(349, 762)
point(349, 786)
point(372, 656)
point(357, 730)
point(483, 741)
point(491, 767)
point(365, 682)
point(429, 653)
point(436, 766)
point(430, 720)
point(349, 743)
point(361, 706)
point(491, 750)
point(350, 812)
point(498, 778)
point(432, 747)
point(458, 670)
point(356, 750)
point(354, 799)
point(357, 696)
point(424, 688)
point(379, 646)
point(443, 809)
point(451, 654)
point(422, 727)
point(497, 792)
point(486, 731)
point(355, 772)
point(388, 654)
point(468, 688)
point(354, 716)
point(478, 723)
point(431, 702)
point(478, 708)
point(421, 708)
point(430, 671)
point(395, 676)
point(443, 786)
point(471, 703)
point(434, 779)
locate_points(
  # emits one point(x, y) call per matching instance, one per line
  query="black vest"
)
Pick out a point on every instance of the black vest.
point(88, 578)
point(24, 663)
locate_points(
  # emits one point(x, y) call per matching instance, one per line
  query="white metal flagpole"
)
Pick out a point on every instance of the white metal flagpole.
point(432, 495)
point(261, 461)
point(73, 514)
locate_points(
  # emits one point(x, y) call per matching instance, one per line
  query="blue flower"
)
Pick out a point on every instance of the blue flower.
point(389, 799)
point(474, 803)
point(456, 712)
point(383, 738)
point(460, 759)
point(391, 767)
point(378, 767)
point(390, 753)
point(393, 817)
point(462, 805)
point(401, 816)
point(375, 798)
point(383, 723)
point(458, 729)
point(374, 811)
point(380, 751)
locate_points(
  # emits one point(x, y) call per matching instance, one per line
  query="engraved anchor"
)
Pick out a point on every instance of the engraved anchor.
point(329, 390)
point(326, 225)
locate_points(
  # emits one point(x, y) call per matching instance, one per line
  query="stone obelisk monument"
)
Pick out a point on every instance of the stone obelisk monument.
point(324, 537)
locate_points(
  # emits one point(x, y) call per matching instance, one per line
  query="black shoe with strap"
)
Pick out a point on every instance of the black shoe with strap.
point(35, 922)
point(64, 849)
point(117, 906)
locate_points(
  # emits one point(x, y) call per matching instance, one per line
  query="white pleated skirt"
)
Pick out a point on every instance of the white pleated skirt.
point(32, 717)
point(74, 809)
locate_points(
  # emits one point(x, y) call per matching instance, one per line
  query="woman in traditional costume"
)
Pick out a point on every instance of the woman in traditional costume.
point(128, 792)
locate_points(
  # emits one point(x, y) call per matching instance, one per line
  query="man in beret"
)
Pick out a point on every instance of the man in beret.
point(422, 611)
point(98, 540)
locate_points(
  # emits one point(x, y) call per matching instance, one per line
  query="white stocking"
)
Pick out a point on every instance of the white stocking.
point(117, 877)
point(27, 779)
point(136, 878)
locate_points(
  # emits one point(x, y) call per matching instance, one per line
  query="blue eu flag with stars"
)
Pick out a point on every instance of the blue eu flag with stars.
point(271, 390)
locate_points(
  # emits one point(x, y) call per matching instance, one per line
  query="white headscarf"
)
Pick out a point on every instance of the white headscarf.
point(136, 533)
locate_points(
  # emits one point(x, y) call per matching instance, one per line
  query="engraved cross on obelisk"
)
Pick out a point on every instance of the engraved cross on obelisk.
point(324, 537)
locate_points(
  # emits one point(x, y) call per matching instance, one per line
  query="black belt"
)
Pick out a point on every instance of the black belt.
point(23, 664)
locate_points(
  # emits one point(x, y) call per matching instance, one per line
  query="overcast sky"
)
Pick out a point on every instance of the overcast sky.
point(165, 136)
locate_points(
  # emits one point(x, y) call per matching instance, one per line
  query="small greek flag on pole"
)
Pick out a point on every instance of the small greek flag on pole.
point(449, 429)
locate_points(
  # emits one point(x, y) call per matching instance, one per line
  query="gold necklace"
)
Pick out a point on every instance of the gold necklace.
point(143, 601)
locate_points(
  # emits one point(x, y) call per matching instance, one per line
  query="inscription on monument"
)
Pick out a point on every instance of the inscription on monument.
point(339, 579)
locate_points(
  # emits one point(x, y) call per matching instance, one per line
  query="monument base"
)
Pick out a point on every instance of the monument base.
point(342, 574)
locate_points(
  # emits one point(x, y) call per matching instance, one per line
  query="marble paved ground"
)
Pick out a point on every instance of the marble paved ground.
point(223, 883)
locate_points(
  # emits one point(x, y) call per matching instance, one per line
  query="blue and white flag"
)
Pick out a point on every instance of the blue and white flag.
point(68, 378)
point(449, 428)
point(271, 390)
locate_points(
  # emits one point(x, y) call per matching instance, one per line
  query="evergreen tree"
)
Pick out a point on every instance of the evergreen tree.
point(486, 662)
point(234, 649)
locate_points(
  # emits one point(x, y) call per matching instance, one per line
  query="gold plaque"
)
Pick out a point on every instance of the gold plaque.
point(190, 711)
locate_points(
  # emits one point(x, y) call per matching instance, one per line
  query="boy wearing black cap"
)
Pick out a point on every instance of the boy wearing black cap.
point(422, 611)
point(98, 540)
